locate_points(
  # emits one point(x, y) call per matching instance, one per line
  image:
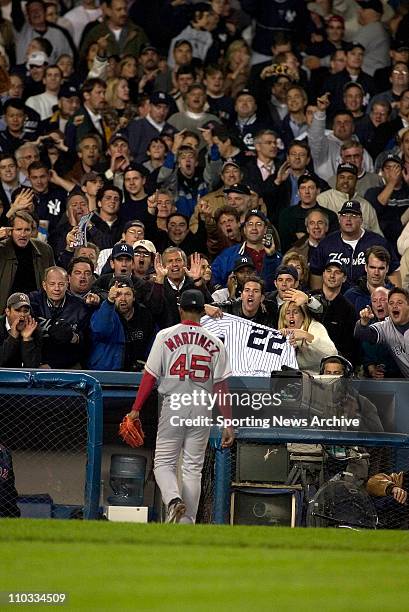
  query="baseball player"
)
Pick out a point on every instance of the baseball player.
point(186, 358)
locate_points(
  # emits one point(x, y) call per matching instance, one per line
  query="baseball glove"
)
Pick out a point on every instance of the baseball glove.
point(131, 432)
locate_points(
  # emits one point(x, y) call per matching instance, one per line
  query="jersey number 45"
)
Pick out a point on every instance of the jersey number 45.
point(197, 370)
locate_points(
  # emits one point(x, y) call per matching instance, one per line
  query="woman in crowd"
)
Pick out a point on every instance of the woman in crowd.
point(309, 337)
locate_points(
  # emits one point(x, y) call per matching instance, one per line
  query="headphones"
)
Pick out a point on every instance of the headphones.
point(349, 370)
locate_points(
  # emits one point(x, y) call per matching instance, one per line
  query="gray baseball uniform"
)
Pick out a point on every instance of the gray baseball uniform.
point(186, 358)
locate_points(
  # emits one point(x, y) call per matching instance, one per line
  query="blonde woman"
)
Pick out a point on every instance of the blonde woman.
point(236, 67)
point(309, 337)
point(119, 110)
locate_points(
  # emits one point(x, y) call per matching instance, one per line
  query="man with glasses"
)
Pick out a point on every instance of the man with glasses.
point(352, 152)
point(26, 155)
point(399, 82)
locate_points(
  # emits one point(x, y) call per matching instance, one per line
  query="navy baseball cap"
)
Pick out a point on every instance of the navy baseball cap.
point(335, 262)
point(238, 188)
point(392, 158)
point(160, 97)
point(255, 212)
point(242, 261)
point(148, 47)
point(354, 45)
point(122, 250)
point(286, 270)
point(68, 91)
point(347, 167)
point(352, 207)
point(192, 298)
point(118, 136)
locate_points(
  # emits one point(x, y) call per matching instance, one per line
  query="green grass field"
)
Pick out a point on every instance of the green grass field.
point(113, 566)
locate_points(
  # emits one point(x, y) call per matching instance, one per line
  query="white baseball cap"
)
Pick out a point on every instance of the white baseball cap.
point(37, 58)
point(145, 244)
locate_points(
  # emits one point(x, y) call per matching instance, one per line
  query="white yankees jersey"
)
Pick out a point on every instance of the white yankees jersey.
point(253, 349)
point(186, 356)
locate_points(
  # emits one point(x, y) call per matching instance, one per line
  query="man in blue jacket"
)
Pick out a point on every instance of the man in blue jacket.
point(122, 330)
point(266, 259)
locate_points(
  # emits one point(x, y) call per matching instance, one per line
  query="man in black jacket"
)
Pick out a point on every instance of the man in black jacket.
point(63, 319)
point(20, 340)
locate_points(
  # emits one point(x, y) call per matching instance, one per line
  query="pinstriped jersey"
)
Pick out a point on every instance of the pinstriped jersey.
point(186, 357)
point(253, 349)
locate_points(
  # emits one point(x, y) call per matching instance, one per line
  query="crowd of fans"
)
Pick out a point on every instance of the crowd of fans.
point(255, 150)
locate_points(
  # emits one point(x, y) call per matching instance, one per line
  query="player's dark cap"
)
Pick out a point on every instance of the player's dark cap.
point(242, 261)
point(392, 158)
point(255, 212)
point(68, 91)
point(122, 281)
point(17, 300)
point(286, 270)
point(238, 188)
point(304, 178)
point(351, 207)
point(122, 250)
point(118, 136)
point(347, 167)
point(375, 5)
point(160, 97)
point(192, 298)
point(335, 262)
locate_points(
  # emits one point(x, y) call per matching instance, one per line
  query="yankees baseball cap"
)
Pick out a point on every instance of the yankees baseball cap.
point(118, 136)
point(238, 188)
point(351, 207)
point(68, 91)
point(122, 250)
point(392, 158)
point(375, 5)
point(17, 300)
point(255, 212)
point(145, 244)
point(334, 262)
point(347, 167)
point(137, 168)
point(160, 97)
point(192, 298)
point(244, 92)
point(243, 261)
point(182, 41)
point(286, 270)
point(122, 281)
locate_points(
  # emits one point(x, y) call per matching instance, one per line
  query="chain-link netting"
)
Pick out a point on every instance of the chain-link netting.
point(45, 437)
point(310, 485)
